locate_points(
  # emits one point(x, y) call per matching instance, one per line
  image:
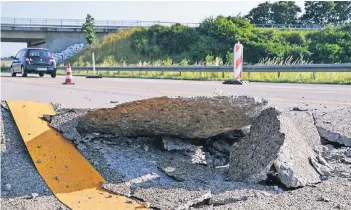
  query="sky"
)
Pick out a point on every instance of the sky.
point(173, 11)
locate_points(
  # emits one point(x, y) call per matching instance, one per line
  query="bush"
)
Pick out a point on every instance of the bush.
point(216, 37)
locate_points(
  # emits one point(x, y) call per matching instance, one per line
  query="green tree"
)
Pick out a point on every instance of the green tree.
point(89, 29)
point(281, 12)
point(342, 12)
point(284, 12)
point(318, 12)
point(260, 14)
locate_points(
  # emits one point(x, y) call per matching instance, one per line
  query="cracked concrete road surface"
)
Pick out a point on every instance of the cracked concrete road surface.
point(121, 161)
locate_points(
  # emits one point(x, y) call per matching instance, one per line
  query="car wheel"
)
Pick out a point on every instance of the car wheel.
point(12, 73)
point(53, 74)
point(41, 74)
point(24, 73)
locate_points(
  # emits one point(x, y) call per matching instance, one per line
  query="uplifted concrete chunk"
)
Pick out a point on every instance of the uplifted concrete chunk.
point(278, 138)
point(335, 126)
point(124, 188)
point(252, 157)
point(293, 161)
point(65, 121)
point(184, 118)
point(178, 196)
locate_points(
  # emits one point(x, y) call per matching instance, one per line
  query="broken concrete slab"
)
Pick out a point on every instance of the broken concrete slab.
point(252, 157)
point(178, 196)
point(183, 170)
point(229, 192)
point(277, 138)
point(337, 161)
point(292, 164)
point(65, 121)
point(184, 118)
point(120, 189)
point(335, 126)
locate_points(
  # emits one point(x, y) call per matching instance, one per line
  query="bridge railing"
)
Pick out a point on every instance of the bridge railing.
point(77, 23)
point(111, 24)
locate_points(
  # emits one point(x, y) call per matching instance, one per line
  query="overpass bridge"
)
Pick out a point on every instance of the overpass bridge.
point(58, 34)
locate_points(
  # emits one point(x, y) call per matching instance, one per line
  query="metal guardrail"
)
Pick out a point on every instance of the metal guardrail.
point(115, 24)
point(247, 68)
point(77, 23)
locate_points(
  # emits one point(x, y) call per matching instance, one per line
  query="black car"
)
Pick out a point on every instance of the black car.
point(33, 60)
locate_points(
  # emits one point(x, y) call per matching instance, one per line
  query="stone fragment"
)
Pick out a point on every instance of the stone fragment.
point(183, 170)
point(335, 126)
point(65, 121)
point(198, 156)
point(34, 195)
point(321, 169)
point(124, 188)
point(178, 196)
point(171, 144)
point(229, 192)
point(299, 109)
point(120, 189)
point(347, 160)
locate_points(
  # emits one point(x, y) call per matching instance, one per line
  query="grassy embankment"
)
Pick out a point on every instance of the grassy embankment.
point(118, 44)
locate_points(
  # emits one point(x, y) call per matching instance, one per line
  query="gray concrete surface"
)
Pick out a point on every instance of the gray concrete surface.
point(94, 93)
point(54, 39)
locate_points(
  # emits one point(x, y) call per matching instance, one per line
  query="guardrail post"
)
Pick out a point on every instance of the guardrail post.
point(278, 74)
point(314, 75)
point(248, 75)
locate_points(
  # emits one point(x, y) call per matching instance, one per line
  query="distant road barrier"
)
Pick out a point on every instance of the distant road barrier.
point(118, 24)
point(247, 68)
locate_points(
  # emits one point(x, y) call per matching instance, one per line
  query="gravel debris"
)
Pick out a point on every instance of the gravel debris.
point(34, 195)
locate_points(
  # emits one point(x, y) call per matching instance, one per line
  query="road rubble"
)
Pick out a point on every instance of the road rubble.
point(224, 152)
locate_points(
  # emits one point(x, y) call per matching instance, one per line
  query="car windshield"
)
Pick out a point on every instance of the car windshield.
point(39, 53)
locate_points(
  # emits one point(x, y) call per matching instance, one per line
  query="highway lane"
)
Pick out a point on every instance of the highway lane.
point(93, 93)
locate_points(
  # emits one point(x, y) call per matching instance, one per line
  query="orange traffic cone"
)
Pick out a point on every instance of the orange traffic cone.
point(69, 78)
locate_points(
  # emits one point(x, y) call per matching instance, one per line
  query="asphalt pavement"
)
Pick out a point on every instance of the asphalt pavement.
point(98, 93)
